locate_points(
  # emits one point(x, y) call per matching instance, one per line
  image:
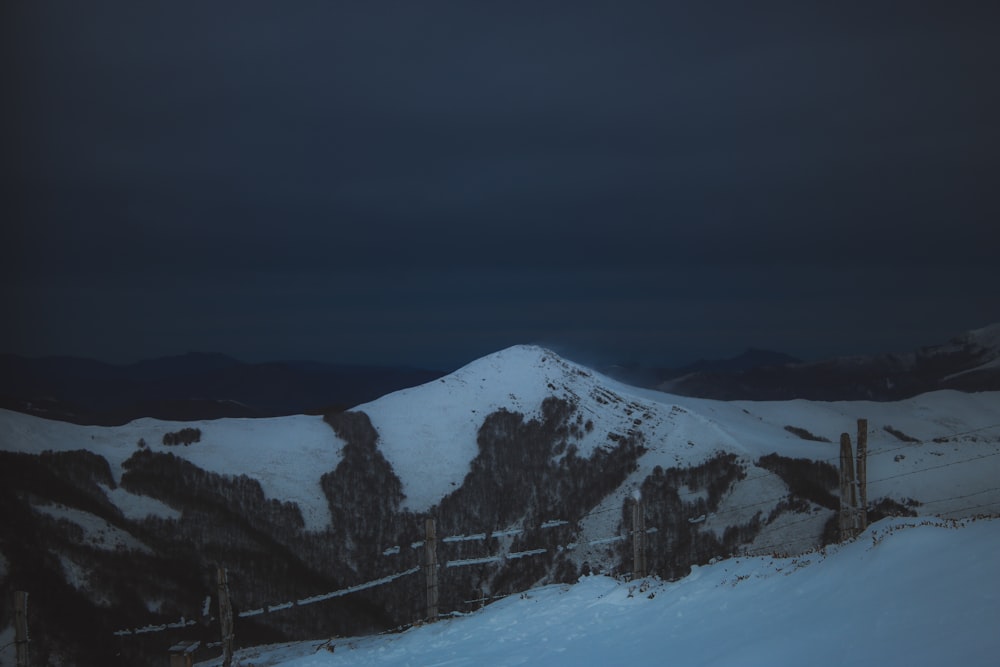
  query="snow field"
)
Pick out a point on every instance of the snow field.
point(287, 455)
point(906, 592)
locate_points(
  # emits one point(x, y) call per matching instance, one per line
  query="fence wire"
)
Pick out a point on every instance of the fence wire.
point(482, 535)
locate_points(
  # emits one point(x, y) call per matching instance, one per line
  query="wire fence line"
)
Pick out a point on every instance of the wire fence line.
point(482, 535)
point(773, 499)
point(763, 474)
point(935, 467)
point(270, 608)
point(184, 622)
point(329, 596)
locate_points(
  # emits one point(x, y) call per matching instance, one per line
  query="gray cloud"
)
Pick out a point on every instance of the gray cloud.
point(318, 146)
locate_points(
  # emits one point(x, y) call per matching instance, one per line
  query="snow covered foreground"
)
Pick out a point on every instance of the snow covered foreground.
point(906, 592)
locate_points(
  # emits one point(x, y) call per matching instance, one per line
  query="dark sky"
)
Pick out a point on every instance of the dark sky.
point(428, 182)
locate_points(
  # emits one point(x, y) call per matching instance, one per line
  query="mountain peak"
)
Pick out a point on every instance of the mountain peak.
point(430, 431)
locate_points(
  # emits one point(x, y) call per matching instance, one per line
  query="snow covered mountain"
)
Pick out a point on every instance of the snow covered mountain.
point(528, 463)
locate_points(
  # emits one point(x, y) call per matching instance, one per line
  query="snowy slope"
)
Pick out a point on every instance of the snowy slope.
point(907, 592)
point(428, 434)
point(287, 455)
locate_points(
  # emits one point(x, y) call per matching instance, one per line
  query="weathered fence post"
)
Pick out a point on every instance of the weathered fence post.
point(862, 474)
point(430, 569)
point(638, 540)
point(21, 627)
point(225, 617)
point(182, 653)
point(848, 498)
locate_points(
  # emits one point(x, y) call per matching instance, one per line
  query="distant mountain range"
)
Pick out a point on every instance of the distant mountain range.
point(969, 362)
point(197, 386)
point(190, 386)
point(652, 378)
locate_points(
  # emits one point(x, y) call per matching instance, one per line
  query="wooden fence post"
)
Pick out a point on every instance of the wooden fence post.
point(848, 497)
point(430, 569)
point(182, 653)
point(638, 540)
point(21, 627)
point(862, 474)
point(225, 617)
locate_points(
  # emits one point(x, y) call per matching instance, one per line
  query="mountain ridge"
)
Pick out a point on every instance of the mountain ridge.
point(968, 362)
point(199, 385)
point(191, 386)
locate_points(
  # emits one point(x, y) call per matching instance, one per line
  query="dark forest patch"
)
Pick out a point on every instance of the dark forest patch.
point(816, 481)
point(805, 434)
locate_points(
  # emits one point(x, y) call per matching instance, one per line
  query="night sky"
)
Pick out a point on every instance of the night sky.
point(428, 182)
